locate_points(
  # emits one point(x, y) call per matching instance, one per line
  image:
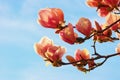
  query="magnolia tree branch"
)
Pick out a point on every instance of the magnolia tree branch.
point(97, 56)
point(105, 57)
point(107, 27)
point(95, 51)
point(80, 40)
point(82, 59)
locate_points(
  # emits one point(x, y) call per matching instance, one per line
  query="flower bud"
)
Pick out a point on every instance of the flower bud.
point(84, 26)
point(68, 35)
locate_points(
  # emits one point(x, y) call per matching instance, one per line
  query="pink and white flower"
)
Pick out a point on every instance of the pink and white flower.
point(50, 17)
point(82, 54)
point(46, 49)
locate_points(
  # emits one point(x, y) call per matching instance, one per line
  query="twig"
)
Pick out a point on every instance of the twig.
point(94, 47)
point(92, 59)
point(101, 31)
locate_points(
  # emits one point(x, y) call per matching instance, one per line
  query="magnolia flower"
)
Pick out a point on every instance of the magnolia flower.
point(84, 26)
point(50, 17)
point(111, 18)
point(55, 53)
point(104, 7)
point(104, 36)
point(82, 54)
point(68, 35)
point(93, 3)
point(111, 3)
point(46, 49)
point(42, 46)
point(104, 11)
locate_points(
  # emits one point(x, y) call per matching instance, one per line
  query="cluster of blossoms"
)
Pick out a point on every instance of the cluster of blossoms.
point(104, 6)
point(54, 18)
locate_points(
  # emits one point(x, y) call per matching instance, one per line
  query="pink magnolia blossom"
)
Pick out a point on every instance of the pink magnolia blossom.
point(68, 35)
point(55, 53)
point(48, 50)
point(111, 3)
point(42, 46)
point(84, 26)
point(93, 3)
point(102, 37)
point(104, 11)
point(111, 18)
point(51, 17)
point(107, 32)
point(82, 54)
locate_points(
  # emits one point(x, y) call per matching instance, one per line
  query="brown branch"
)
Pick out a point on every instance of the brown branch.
point(95, 58)
point(107, 27)
point(92, 59)
point(101, 31)
point(97, 65)
point(95, 51)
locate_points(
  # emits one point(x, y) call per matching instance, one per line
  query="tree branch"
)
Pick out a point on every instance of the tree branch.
point(105, 57)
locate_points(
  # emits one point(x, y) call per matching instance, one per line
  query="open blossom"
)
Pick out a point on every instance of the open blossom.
point(82, 54)
point(104, 7)
point(118, 48)
point(68, 35)
point(84, 26)
point(48, 50)
point(50, 17)
point(111, 18)
point(42, 46)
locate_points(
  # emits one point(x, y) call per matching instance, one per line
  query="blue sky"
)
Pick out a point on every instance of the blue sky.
point(19, 31)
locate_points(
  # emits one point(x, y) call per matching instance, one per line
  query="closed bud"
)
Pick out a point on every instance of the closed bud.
point(84, 26)
point(67, 34)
